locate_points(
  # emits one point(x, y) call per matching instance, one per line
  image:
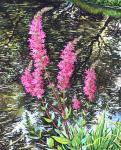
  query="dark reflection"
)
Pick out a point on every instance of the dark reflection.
point(62, 24)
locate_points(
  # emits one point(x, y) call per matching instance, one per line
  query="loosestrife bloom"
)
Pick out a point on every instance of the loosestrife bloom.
point(90, 84)
point(33, 81)
point(76, 103)
point(36, 43)
point(66, 66)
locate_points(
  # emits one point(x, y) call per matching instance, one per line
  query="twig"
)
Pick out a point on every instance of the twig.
point(14, 142)
point(90, 47)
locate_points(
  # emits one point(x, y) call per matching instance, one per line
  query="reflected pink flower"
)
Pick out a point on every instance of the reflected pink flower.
point(90, 84)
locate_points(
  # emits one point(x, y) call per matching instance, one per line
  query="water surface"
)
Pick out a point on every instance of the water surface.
point(62, 24)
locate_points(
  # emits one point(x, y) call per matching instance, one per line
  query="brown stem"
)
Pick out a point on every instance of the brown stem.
point(57, 97)
point(60, 105)
point(65, 121)
point(54, 108)
point(66, 126)
point(43, 142)
point(54, 92)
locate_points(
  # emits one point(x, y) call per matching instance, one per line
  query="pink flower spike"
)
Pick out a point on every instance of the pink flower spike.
point(76, 103)
point(66, 66)
point(34, 81)
point(90, 84)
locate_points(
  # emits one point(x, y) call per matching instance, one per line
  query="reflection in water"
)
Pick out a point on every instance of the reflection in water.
point(11, 108)
point(118, 81)
point(62, 24)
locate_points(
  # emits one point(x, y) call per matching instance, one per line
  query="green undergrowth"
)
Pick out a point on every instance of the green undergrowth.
point(105, 135)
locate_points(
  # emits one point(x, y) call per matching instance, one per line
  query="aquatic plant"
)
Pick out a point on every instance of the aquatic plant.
point(61, 111)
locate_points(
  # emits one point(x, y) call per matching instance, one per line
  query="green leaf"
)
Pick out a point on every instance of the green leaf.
point(84, 140)
point(53, 116)
point(50, 142)
point(59, 122)
point(59, 148)
point(47, 120)
point(61, 140)
point(73, 143)
point(40, 134)
point(32, 132)
point(62, 100)
point(68, 112)
point(43, 108)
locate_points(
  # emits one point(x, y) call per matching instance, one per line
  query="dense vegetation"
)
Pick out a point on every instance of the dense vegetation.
point(103, 136)
point(64, 111)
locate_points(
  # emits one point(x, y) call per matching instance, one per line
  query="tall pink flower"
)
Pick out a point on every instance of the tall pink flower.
point(33, 81)
point(90, 84)
point(36, 43)
point(66, 66)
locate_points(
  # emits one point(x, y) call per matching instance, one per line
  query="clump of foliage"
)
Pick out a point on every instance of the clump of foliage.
point(104, 135)
point(105, 7)
point(100, 137)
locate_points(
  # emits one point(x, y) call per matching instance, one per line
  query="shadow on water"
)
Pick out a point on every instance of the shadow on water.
point(61, 25)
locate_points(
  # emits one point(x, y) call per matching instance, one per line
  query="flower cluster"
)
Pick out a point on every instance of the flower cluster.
point(76, 103)
point(33, 81)
point(90, 84)
point(66, 66)
point(37, 46)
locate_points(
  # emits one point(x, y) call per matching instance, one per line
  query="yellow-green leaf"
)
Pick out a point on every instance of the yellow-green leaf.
point(61, 140)
point(50, 142)
point(48, 120)
point(59, 148)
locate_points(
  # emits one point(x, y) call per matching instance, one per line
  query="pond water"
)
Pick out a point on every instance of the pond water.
point(62, 24)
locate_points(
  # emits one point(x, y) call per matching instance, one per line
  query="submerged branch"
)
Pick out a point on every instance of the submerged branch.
point(90, 47)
